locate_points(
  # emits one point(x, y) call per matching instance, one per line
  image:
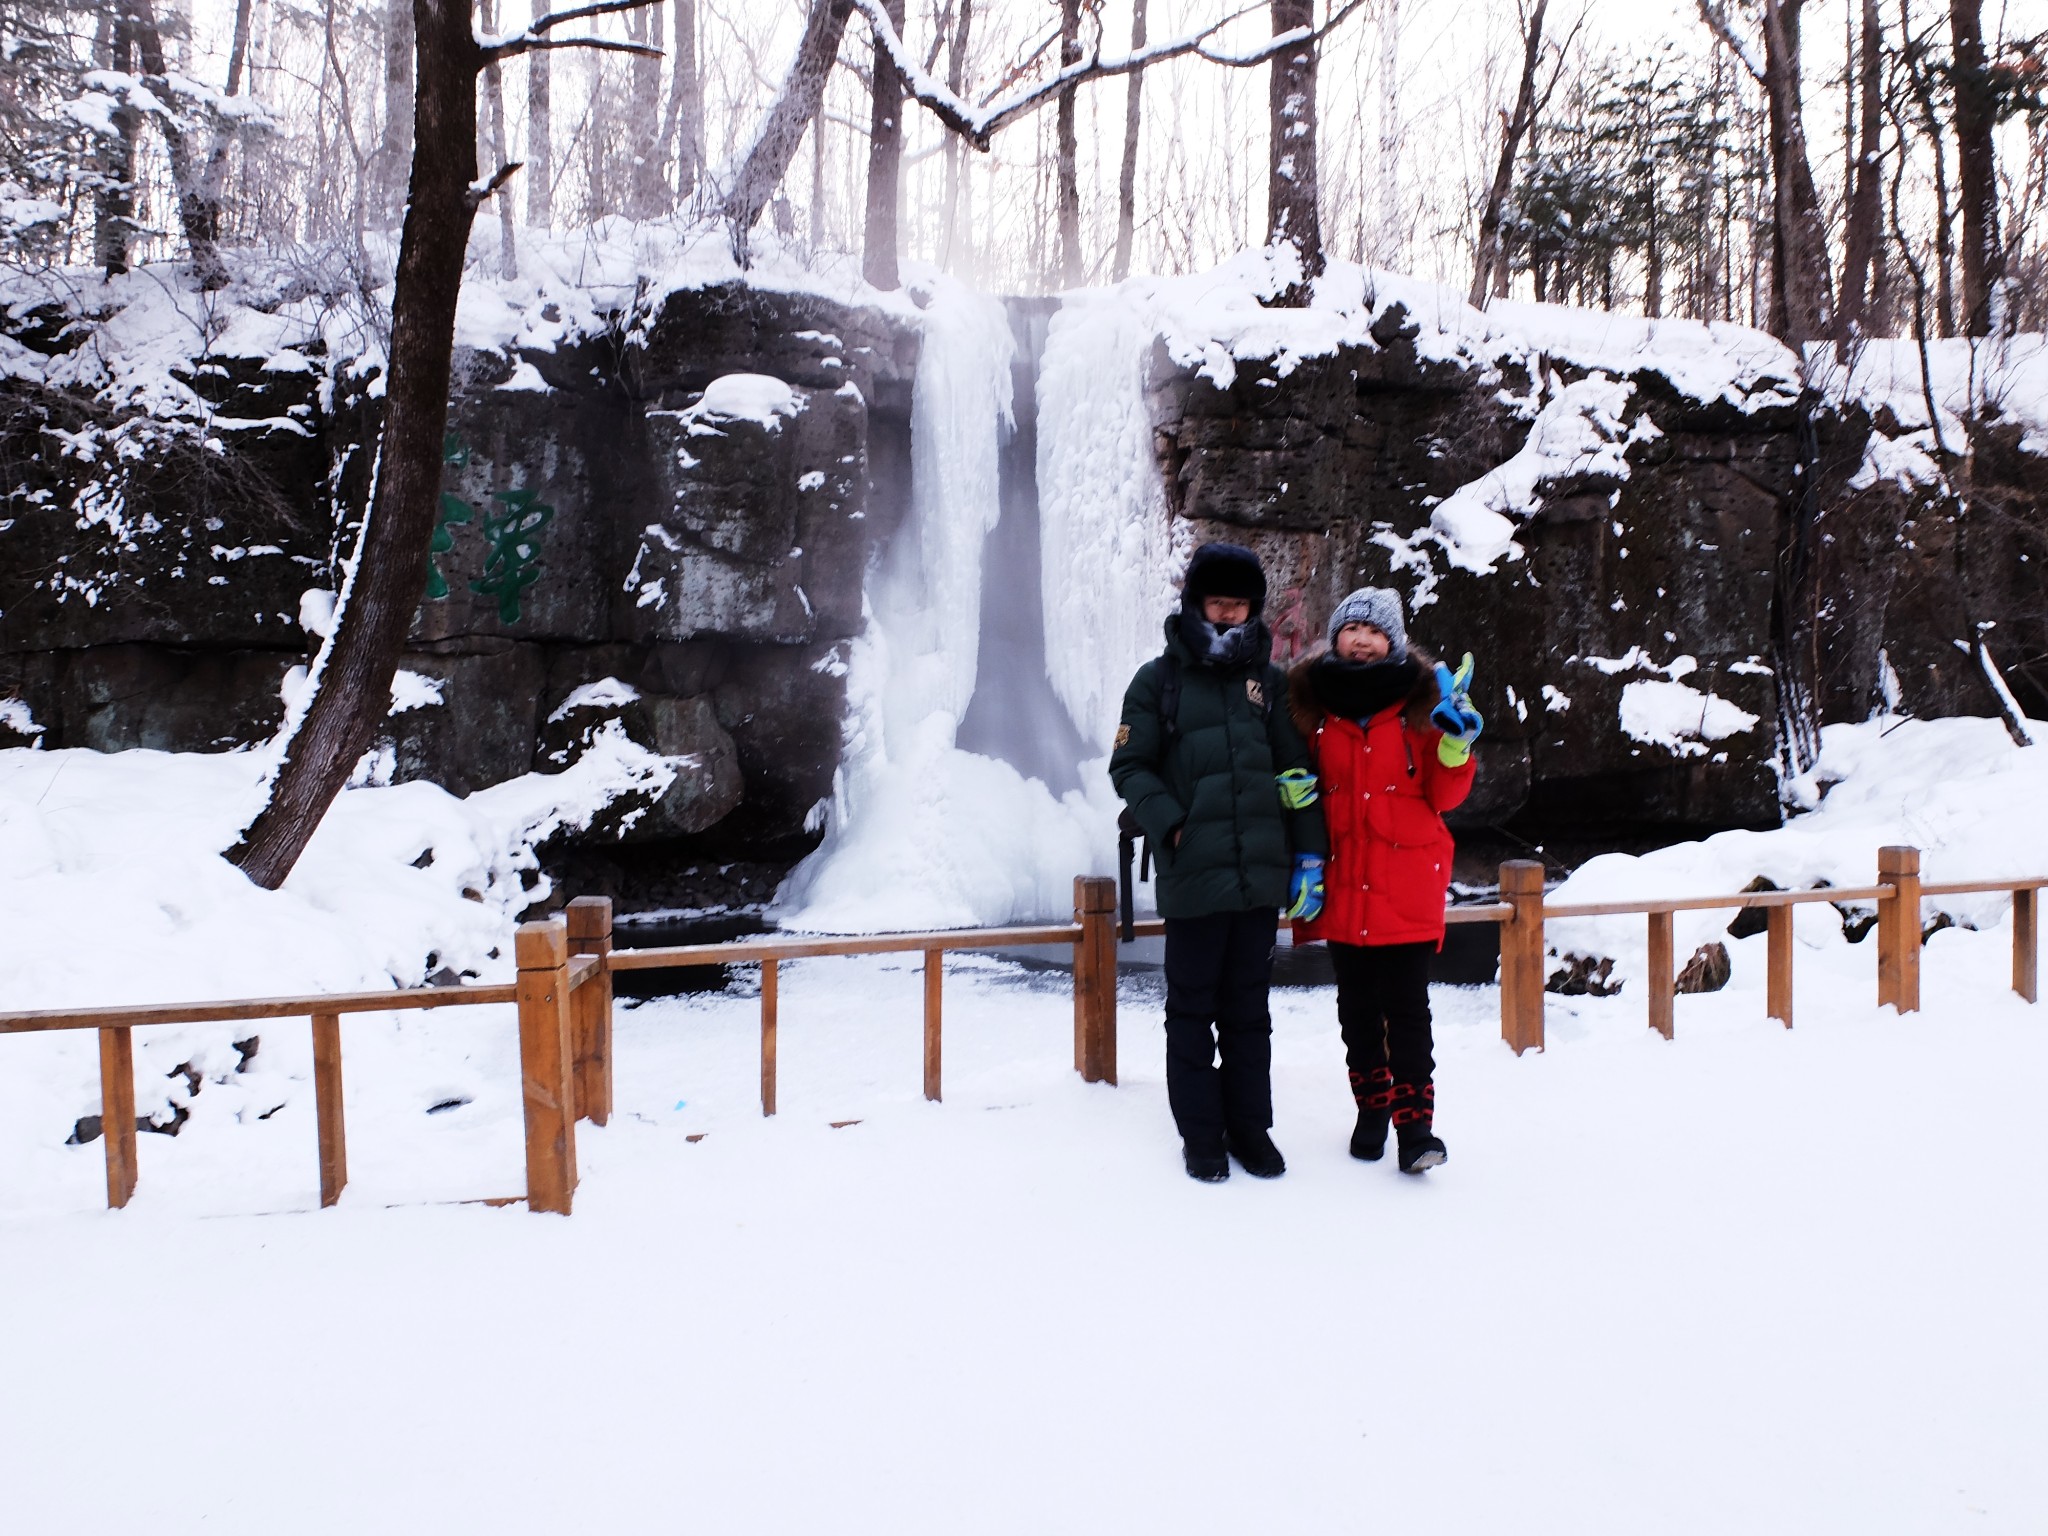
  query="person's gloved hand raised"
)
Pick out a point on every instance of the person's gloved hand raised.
point(1305, 893)
point(1454, 714)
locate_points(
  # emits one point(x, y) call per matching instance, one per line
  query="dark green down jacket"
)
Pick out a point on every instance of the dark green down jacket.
point(1215, 781)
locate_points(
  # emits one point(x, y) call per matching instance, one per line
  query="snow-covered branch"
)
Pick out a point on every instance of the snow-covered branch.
point(530, 40)
point(979, 123)
point(1716, 18)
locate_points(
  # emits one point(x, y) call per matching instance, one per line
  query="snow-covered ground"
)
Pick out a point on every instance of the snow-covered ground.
point(1749, 1280)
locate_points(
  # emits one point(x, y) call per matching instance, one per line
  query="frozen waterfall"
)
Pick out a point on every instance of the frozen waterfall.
point(926, 829)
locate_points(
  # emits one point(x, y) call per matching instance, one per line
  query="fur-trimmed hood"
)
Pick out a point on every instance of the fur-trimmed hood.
point(1309, 712)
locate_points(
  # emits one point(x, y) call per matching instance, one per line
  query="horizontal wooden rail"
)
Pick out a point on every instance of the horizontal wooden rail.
point(1479, 912)
point(232, 1010)
point(566, 964)
point(740, 950)
point(1981, 887)
point(1636, 908)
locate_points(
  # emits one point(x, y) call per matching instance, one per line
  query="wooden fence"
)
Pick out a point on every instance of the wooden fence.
point(565, 966)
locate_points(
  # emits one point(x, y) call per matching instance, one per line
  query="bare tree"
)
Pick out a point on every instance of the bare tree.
point(1800, 308)
point(350, 685)
point(1066, 168)
point(885, 165)
point(540, 146)
point(647, 186)
point(1127, 173)
point(956, 82)
point(802, 94)
point(1490, 266)
point(683, 128)
point(114, 197)
point(394, 150)
point(1924, 74)
point(1976, 115)
point(498, 152)
point(1863, 226)
point(1293, 185)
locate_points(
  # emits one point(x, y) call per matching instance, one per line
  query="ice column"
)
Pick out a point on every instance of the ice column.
point(1110, 552)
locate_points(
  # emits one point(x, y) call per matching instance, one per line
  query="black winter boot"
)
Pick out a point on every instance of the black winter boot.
point(1420, 1149)
point(1255, 1152)
point(1374, 1095)
point(1414, 1128)
point(1369, 1138)
point(1205, 1159)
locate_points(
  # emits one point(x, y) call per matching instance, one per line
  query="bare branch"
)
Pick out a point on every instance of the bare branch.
point(1716, 18)
point(528, 44)
point(555, 19)
point(978, 124)
point(527, 41)
point(476, 195)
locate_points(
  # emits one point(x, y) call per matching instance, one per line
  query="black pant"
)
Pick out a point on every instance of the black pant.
point(1217, 971)
point(1383, 1010)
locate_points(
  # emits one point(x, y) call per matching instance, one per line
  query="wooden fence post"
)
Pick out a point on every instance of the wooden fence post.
point(1778, 966)
point(1663, 982)
point(1521, 955)
point(117, 1113)
point(768, 1001)
point(546, 1062)
point(327, 1106)
point(934, 984)
point(2026, 943)
point(1095, 979)
point(1898, 930)
point(590, 1009)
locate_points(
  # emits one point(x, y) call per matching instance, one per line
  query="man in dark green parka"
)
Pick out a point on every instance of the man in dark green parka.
point(1215, 773)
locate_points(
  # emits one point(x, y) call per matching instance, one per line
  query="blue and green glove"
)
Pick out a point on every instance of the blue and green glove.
point(1297, 789)
point(1305, 894)
point(1454, 714)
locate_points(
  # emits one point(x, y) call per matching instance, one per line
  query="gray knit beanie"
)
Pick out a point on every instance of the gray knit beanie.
point(1381, 608)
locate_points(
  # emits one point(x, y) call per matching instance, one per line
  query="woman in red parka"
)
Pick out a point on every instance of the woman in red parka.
point(1386, 775)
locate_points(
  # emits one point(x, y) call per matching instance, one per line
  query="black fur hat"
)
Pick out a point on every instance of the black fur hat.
point(1223, 570)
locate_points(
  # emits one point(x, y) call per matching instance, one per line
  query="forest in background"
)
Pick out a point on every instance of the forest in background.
point(1816, 169)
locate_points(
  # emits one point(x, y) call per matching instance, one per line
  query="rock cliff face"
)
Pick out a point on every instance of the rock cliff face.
point(1640, 654)
point(1742, 538)
point(711, 564)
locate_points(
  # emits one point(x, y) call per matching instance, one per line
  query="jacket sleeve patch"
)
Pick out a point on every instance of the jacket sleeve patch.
point(1123, 735)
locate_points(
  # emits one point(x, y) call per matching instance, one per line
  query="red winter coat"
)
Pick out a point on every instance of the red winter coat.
point(1384, 793)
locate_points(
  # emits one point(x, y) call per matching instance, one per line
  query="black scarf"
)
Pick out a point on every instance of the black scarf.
point(1220, 648)
point(1358, 690)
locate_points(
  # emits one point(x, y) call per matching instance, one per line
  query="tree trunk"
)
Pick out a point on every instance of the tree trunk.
point(351, 682)
point(1800, 307)
point(499, 153)
point(885, 164)
point(1976, 167)
point(213, 180)
point(1390, 243)
point(394, 151)
point(1127, 174)
point(1489, 254)
point(802, 93)
point(683, 127)
point(1863, 234)
point(114, 201)
point(199, 220)
point(1067, 188)
point(1293, 186)
point(956, 82)
point(540, 142)
point(647, 196)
